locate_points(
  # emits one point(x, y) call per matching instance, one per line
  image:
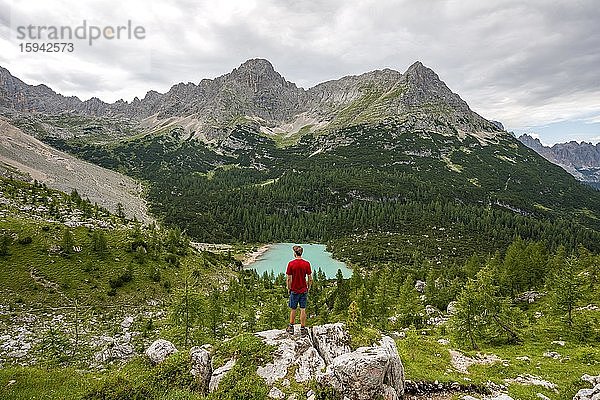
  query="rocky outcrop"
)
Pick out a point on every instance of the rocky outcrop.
point(325, 355)
point(159, 350)
point(115, 352)
point(589, 394)
point(290, 351)
point(367, 372)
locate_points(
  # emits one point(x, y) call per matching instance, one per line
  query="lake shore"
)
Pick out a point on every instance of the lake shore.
point(273, 259)
point(255, 255)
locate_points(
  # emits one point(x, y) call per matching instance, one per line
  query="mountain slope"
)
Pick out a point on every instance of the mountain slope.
point(27, 155)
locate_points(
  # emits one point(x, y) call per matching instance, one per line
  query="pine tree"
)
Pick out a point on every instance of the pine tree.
point(67, 242)
point(409, 306)
point(566, 287)
point(99, 242)
point(353, 320)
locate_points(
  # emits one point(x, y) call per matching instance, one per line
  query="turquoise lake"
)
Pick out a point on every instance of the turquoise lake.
point(277, 257)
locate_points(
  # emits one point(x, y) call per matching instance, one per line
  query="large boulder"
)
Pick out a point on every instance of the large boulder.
point(367, 372)
point(201, 365)
point(117, 352)
point(159, 350)
point(331, 340)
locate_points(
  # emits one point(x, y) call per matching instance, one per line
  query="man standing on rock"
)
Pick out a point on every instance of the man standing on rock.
point(297, 271)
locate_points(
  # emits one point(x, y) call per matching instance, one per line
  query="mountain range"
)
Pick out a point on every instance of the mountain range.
point(582, 160)
point(249, 156)
point(255, 93)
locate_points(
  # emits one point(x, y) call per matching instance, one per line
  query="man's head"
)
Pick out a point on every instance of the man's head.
point(298, 251)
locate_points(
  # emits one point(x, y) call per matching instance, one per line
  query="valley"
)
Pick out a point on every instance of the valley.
point(126, 223)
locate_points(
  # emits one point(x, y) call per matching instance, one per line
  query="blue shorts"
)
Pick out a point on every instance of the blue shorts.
point(296, 298)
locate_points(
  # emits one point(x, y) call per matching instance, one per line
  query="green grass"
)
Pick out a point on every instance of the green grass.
point(425, 359)
point(36, 383)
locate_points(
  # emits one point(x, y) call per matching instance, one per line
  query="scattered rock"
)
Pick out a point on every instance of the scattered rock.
point(552, 354)
point(451, 309)
point(523, 358)
point(443, 342)
point(159, 350)
point(420, 286)
point(532, 380)
point(541, 396)
point(201, 365)
point(218, 374)
point(431, 310)
point(589, 307)
point(275, 393)
point(116, 352)
point(529, 297)
point(398, 335)
point(462, 362)
point(501, 396)
point(559, 342)
point(588, 394)
point(127, 322)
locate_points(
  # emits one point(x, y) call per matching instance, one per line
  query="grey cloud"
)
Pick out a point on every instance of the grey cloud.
point(511, 60)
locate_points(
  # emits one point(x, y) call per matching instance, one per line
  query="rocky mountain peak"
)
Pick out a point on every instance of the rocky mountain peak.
point(530, 141)
point(257, 65)
point(257, 74)
point(424, 87)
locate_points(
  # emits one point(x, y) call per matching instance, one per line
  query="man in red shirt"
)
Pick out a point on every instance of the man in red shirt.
point(297, 271)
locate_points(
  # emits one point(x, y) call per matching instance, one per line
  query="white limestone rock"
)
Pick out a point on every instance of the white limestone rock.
point(159, 350)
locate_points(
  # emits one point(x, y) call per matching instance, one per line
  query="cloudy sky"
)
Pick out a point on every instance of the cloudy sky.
point(534, 65)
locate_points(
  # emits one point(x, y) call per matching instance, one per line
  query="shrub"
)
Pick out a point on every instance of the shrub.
point(5, 241)
point(125, 277)
point(25, 240)
point(155, 274)
point(172, 259)
point(118, 388)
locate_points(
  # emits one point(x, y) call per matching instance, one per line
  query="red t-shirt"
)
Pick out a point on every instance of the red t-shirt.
point(298, 268)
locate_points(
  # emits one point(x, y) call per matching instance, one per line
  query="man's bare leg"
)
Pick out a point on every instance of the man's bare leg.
point(293, 316)
point(302, 317)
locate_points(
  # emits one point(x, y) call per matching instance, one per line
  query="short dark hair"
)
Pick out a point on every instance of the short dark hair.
point(298, 250)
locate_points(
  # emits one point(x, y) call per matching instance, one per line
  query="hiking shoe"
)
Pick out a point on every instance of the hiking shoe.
point(290, 329)
point(304, 331)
